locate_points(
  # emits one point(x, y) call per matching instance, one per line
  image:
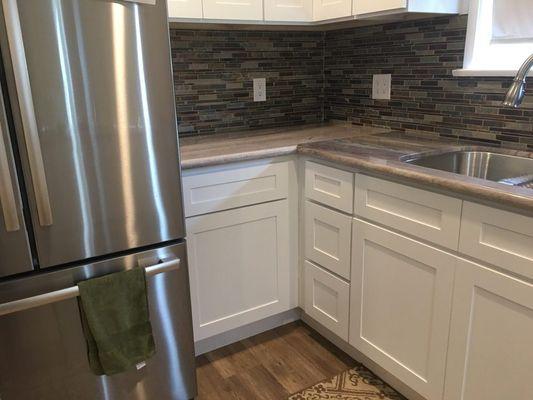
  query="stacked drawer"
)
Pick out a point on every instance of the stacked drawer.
point(328, 226)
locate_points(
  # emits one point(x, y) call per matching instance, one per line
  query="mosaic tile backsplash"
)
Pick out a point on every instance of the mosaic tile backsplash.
point(213, 73)
point(425, 96)
point(316, 76)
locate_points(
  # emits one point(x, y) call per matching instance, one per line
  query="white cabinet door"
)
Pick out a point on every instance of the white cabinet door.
point(400, 306)
point(185, 9)
point(328, 236)
point(234, 9)
point(331, 9)
point(375, 6)
point(239, 264)
point(490, 352)
point(289, 10)
point(327, 299)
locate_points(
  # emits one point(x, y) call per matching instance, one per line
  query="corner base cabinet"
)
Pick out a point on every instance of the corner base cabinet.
point(400, 306)
point(491, 338)
point(239, 266)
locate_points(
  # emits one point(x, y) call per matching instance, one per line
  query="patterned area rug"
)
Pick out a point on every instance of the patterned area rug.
point(355, 384)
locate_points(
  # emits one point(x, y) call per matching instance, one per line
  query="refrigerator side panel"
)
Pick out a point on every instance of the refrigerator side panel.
point(93, 92)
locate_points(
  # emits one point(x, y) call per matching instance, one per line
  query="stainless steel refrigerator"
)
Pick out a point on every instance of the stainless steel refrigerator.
point(89, 185)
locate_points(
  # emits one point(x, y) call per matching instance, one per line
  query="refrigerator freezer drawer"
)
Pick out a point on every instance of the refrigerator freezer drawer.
point(43, 350)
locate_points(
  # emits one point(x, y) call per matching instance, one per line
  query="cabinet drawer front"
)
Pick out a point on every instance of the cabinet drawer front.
point(490, 355)
point(400, 306)
point(328, 236)
point(329, 186)
point(427, 215)
point(289, 10)
point(233, 10)
point(327, 299)
point(239, 267)
point(498, 237)
point(208, 190)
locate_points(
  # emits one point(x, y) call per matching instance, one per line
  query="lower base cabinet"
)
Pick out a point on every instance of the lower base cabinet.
point(327, 299)
point(400, 306)
point(239, 264)
point(490, 354)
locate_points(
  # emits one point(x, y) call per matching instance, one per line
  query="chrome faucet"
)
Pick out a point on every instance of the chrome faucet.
point(517, 91)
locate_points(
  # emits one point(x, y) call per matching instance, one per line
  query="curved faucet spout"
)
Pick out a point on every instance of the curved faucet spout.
point(517, 91)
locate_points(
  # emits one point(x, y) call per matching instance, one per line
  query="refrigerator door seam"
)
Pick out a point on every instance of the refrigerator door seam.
point(31, 131)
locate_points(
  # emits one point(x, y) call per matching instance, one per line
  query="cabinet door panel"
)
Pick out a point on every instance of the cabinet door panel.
point(400, 306)
point(289, 10)
point(327, 299)
point(185, 9)
point(375, 6)
point(331, 9)
point(234, 9)
point(239, 266)
point(490, 355)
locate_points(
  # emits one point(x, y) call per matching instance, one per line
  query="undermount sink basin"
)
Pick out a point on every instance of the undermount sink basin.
point(511, 170)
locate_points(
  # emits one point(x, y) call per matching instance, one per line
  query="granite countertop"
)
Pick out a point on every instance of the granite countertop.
point(374, 150)
point(206, 150)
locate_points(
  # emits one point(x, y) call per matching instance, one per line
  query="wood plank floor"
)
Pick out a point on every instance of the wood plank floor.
point(269, 366)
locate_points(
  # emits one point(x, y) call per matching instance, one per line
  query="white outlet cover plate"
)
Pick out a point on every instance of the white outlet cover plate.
point(260, 89)
point(381, 86)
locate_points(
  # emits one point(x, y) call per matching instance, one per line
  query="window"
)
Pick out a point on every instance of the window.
point(499, 37)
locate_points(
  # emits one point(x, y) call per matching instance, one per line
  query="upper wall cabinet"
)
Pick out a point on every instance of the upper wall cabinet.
point(233, 10)
point(368, 8)
point(289, 10)
point(331, 9)
point(185, 9)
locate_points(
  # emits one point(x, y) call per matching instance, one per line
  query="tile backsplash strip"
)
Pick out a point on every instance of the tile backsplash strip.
point(420, 55)
point(214, 71)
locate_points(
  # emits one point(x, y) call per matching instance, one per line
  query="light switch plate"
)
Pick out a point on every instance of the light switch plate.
point(260, 89)
point(381, 86)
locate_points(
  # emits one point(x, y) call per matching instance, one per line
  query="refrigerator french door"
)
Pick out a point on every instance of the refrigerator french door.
point(89, 185)
point(92, 100)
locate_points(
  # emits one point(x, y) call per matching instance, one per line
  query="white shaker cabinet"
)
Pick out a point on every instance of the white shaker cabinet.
point(400, 306)
point(239, 263)
point(233, 10)
point(362, 8)
point(331, 9)
point(289, 10)
point(490, 351)
point(184, 9)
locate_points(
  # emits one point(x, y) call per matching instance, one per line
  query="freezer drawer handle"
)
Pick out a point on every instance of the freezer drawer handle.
point(7, 192)
point(72, 292)
point(27, 112)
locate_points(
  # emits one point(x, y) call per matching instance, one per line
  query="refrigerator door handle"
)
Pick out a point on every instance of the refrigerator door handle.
point(7, 191)
point(73, 292)
point(27, 111)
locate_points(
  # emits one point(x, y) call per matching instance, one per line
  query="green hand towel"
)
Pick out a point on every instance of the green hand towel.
point(116, 321)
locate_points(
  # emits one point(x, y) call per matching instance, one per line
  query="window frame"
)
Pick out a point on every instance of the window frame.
point(482, 53)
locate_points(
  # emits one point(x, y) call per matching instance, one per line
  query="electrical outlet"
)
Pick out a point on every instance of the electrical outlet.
point(381, 86)
point(260, 89)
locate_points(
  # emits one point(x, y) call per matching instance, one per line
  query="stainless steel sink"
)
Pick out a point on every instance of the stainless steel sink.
point(511, 170)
